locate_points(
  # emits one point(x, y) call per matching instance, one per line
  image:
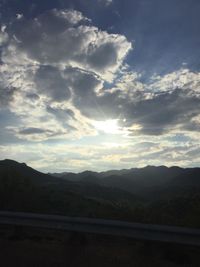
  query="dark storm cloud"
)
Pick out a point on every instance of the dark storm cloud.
point(38, 131)
point(99, 107)
point(33, 97)
point(82, 82)
point(63, 115)
point(104, 55)
point(47, 38)
point(33, 130)
point(192, 126)
point(60, 85)
point(6, 96)
point(48, 80)
point(164, 112)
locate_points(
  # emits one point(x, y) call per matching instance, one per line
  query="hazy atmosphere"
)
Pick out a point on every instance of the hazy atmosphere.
point(100, 84)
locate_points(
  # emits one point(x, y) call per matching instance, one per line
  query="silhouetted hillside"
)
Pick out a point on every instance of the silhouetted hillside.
point(152, 194)
point(142, 182)
point(25, 189)
point(12, 168)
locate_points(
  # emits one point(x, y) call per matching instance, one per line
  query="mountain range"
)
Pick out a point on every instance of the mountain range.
point(150, 194)
point(139, 181)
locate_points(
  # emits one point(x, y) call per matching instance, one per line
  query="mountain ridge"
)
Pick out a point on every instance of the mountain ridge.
point(150, 195)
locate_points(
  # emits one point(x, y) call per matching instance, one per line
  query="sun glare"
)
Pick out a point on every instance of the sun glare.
point(108, 126)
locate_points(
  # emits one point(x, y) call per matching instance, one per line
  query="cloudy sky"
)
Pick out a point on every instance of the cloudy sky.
point(100, 84)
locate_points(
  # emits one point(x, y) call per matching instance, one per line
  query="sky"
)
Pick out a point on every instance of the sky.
point(100, 84)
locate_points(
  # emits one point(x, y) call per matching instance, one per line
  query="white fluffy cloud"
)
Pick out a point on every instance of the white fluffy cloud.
point(65, 37)
point(182, 78)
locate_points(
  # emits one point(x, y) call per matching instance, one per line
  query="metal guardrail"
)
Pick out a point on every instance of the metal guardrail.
point(137, 231)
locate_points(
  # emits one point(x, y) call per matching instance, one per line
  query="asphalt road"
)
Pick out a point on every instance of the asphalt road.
point(137, 231)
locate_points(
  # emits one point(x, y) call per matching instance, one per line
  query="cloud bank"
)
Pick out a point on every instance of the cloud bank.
point(60, 73)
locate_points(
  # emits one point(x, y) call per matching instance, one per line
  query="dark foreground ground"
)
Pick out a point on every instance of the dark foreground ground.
point(28, 247)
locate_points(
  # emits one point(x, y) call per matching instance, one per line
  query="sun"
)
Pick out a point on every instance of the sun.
point(107, 126)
